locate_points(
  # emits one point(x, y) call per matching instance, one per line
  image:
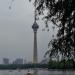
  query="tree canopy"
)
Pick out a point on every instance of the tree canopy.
point(62, 14)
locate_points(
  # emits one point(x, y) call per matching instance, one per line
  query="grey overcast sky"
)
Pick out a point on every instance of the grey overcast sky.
point(16, 34)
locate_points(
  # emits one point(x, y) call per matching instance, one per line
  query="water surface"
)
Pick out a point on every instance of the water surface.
point(37, 72)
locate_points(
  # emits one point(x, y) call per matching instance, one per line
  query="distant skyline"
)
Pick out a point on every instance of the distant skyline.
point(16, 34)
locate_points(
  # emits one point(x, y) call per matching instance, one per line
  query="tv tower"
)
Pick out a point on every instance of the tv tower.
point(35, 27)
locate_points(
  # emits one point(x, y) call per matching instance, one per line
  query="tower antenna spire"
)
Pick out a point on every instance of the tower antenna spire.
point(35, 14)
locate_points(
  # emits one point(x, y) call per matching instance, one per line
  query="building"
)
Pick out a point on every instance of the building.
point(5, 61)
point(18, 61)
point(45, 61)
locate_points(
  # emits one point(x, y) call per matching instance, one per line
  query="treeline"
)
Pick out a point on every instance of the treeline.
point(63, 64)
point(22, 66)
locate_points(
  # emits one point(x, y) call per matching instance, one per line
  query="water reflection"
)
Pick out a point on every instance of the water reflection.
point(63, 72)
point(58, 72)
point(35, 72)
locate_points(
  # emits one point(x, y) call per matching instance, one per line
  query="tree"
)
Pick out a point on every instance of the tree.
point(62, 14)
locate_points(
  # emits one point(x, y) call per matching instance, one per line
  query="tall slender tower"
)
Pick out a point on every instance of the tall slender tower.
point(35, 27)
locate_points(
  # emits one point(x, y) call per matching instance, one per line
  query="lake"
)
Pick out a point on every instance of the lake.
point(37, 72)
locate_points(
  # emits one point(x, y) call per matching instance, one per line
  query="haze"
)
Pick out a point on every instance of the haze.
point(16, 34)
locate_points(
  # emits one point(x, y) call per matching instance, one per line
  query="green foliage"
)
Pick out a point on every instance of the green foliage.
point(53, 64)
point(62, 14)
point(22, 66)
point(69, 64)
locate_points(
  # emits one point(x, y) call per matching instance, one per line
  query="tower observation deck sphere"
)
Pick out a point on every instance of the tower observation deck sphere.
point(35, 26)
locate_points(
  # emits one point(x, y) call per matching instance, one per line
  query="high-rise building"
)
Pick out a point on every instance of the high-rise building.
point(5, 61)
point(18, 61)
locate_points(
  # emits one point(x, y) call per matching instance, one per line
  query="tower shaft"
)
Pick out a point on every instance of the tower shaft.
point(35, 58)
